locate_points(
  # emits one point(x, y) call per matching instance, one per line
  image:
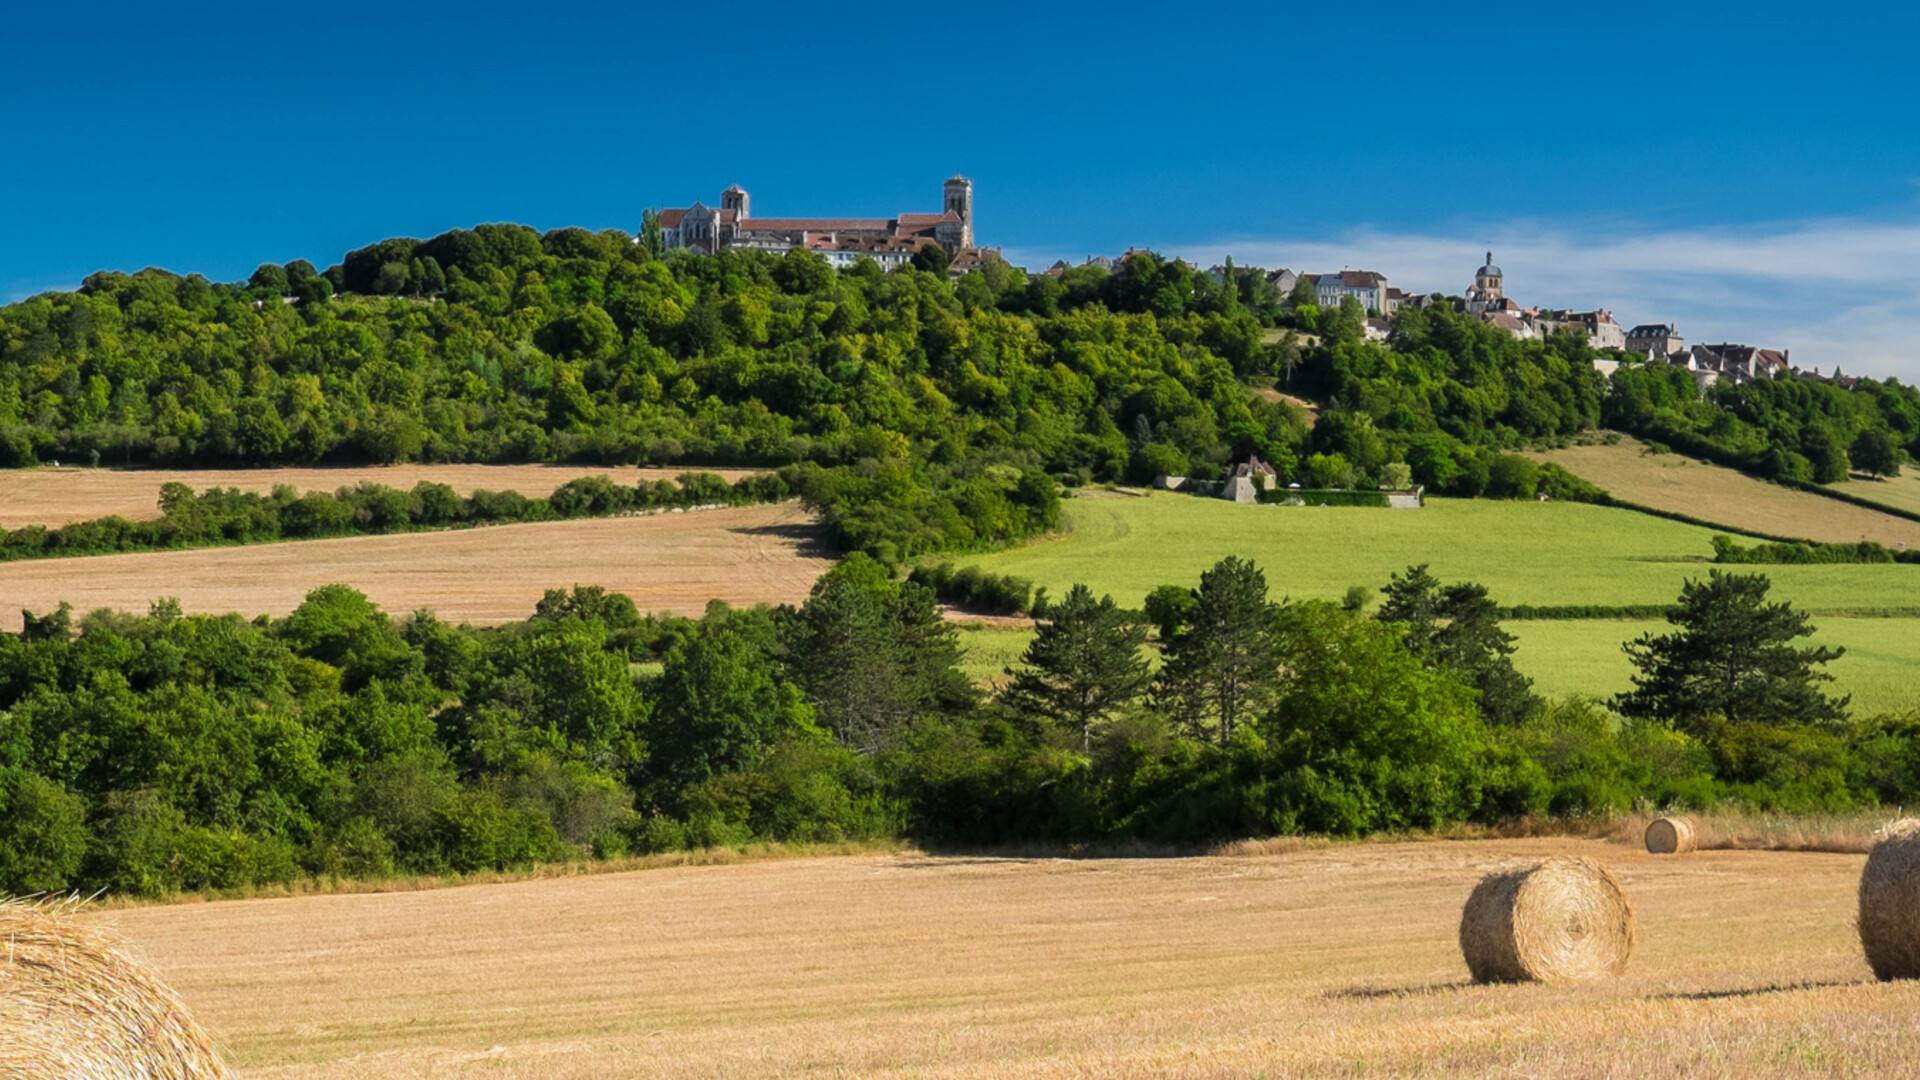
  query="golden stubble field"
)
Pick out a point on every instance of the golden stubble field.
point(665, 562)
point(56, 496)
point(1333, 962)
point(1715, 493)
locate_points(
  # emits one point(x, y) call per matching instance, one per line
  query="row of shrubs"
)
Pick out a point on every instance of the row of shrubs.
point(231, 516)
point(977, 590)
point(1548, 612)
point(1805, 553)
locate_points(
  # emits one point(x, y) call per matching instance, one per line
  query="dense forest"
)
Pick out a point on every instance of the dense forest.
point(147, 754)
point(917, 412)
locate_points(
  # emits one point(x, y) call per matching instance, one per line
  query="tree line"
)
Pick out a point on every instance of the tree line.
point(149, 753)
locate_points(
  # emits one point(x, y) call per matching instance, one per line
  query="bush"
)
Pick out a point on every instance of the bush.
point(1510, 476)
point(43, 834)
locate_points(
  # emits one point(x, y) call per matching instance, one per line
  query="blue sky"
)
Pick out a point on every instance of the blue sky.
point(1751, 172)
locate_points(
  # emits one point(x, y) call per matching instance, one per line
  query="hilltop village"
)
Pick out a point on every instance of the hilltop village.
point(894, 242)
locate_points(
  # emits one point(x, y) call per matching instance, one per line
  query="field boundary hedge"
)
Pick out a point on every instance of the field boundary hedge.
point(226, 517)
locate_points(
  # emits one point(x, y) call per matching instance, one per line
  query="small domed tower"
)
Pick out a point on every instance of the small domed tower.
point(958, 192)
point(1488, 280)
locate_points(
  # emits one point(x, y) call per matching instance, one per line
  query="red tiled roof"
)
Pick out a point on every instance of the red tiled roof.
point(818, 224)
point(929, 219)
point(670, 218)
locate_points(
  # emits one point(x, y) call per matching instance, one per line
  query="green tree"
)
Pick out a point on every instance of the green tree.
point(1373, 739)
point(1303, 294)
point(271, 278)
point(43, 834)
point(1083, 665)
point(1826, 450)
point(933, 259)
point(718, 704)
point(1731, 657)
point(1222, 668)
point(651, 238)
point(873, 653)
point(1876, 452)
point(1457, 628)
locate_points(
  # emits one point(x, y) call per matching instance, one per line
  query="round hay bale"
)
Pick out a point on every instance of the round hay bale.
point(75, 1006)
point(1890, 902)
point(1671, 836)
point(1562, 920)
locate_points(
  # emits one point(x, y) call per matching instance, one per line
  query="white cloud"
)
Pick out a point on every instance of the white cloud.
point(1842, 291)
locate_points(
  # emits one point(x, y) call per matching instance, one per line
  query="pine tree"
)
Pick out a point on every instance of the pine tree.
point(1732, 657)
point(1083, 665)
point(1223, 667)
point(1457, 628)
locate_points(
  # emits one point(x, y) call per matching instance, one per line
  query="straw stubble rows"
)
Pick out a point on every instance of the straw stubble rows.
point(665, 562)
point(1339, 961)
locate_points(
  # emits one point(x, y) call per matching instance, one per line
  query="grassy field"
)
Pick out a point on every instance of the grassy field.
point(50, 496)
point(1713, 493)
point(1524, 552)
point(1339, 961)
point(665, 562)
point(1900, 492)
point(1584, 657)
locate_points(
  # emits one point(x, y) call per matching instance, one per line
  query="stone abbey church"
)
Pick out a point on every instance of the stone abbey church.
point(890, 241)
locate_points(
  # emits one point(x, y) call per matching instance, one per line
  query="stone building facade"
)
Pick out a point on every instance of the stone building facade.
point(888, 241)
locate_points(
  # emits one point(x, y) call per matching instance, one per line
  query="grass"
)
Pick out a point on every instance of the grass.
point(1714, 493)
point(667, 562)
point(987, 649)
point(56, 496)
point(1524, 552)
point(1335, 960)
point(1584, 657)
point(1900, 492)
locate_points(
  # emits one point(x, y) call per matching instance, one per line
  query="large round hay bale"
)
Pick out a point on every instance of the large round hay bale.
point(1890, 902)
point(1562, 920)
point(1670, 836)
point(75, 1006)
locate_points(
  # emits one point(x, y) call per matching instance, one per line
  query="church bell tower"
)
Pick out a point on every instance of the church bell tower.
point(958, 193)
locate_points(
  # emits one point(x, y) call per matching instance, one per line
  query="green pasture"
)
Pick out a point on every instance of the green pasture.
point(988, 649)
point(1524, 552)
point(1881, 668)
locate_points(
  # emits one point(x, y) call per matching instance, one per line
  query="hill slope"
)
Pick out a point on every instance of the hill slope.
point(1685, 485)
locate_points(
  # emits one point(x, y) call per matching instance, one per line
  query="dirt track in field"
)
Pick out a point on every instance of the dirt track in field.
point(1333, 962)
point(49, 496)
point(494, 574)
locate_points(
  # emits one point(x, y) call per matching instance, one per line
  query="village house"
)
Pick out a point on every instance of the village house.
point(1603, 331)
point(1365, 286)
point(891, 242)
point(1655, 341)
point(1241, 486)
point(1740, 363)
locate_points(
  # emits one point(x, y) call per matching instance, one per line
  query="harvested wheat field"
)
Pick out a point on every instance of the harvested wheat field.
point(49, 496)
point(1339, 961)
point(1727, 497)
point(666, 562)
